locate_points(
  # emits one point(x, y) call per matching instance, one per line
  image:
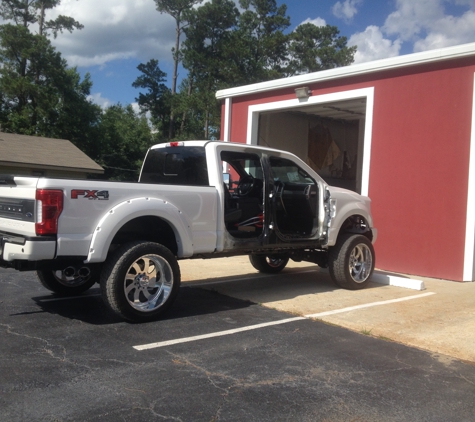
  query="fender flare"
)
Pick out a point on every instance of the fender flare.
point(347, 211)
point(128, 210)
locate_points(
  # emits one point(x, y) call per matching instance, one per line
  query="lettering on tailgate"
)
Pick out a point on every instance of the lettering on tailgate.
point(17, 209)
point(101, 195)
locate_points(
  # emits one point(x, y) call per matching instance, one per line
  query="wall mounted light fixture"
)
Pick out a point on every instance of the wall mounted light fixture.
point(303, 93)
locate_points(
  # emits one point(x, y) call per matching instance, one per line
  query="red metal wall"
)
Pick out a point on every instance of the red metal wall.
point(419, 161)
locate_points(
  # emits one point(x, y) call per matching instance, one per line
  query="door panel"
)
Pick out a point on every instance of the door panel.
point(295, 201)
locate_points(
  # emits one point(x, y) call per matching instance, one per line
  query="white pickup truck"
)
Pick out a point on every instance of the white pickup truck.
point(194, 199)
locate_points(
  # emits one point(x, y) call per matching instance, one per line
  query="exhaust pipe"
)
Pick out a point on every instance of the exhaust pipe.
point(69, 271)
point(84, 272)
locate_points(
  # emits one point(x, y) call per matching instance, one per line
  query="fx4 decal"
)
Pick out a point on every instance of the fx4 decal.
point(90, 194)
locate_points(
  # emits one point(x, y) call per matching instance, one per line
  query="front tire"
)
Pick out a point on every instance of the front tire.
point(67, 285)
point(270, 264)
point(351, 261)
point(140, 281)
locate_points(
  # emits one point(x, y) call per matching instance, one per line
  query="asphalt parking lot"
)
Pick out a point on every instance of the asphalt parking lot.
point(440, 318)
point(216, 357)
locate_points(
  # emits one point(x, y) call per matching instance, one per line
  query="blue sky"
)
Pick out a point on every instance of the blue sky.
point(120, 34)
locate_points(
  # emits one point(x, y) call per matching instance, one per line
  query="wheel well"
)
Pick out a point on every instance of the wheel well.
point(148, 228)
point(358, 225)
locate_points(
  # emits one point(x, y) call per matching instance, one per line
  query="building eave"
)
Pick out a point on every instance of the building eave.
point(415, 59)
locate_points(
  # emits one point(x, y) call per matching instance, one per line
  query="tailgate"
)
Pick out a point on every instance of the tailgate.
point(18, 239)
point(17, 205)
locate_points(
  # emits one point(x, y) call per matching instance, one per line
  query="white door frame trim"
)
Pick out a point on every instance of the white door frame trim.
point(469, 255)
point(368, 93)
point(228, 105)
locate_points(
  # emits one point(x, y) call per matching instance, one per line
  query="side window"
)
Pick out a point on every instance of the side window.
point(176, 166)
point(286, 171)
point(239, 167)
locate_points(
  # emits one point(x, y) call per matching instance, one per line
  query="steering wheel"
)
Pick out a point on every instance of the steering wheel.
point(245, 186)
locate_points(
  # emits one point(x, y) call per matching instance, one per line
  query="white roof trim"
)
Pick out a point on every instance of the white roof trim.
point(441, 54)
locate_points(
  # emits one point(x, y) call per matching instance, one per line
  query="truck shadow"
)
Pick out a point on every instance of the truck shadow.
point(89, 307)
point(203, 296)
point(260, 288)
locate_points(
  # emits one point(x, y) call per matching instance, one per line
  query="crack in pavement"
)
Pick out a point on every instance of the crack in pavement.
point(47, 349)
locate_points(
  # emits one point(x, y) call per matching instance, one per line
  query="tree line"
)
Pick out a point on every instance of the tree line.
point(218, 45)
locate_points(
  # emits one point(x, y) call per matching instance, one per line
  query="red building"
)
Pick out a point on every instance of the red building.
point(400, 130)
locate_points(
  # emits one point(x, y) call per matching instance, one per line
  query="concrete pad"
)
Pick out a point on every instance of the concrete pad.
point(396, 280)
point(443, 323)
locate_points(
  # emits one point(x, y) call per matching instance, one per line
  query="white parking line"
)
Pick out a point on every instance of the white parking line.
point(268, 324)
point(217, 334)
point(369, 305)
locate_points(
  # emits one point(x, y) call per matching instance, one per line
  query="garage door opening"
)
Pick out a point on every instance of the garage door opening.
point(331, 133)
point(328, 137)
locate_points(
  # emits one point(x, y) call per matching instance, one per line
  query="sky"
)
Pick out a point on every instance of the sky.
point(118, 35)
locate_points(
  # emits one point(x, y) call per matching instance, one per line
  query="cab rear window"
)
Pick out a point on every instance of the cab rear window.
point(176, 166)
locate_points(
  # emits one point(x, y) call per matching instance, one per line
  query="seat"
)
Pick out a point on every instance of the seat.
point(232, 213)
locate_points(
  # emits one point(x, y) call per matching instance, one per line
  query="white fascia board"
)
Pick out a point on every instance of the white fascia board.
point(425, 57)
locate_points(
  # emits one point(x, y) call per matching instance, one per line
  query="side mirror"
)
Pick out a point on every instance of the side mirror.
point(227, 179)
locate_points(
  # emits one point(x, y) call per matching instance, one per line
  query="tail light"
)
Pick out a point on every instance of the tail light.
point(48, 208)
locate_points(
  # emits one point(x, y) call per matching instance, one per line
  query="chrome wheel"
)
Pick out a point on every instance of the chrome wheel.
point(140, 281)
point(148, 283)
point(360, 263)
point(351, 261)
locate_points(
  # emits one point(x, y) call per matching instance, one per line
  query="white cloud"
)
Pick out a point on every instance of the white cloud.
point(448, 31)
point(316, 22)
point(427, 25)
point(124, 29)
point(99, 59)
point(346, 10)
point(373, 46)
point(136, 107)
point(114, 29)
point(424, 24)
point(412, 17)
point(99, 100)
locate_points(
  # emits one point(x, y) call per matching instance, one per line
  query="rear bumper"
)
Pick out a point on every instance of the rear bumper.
point(14, 248)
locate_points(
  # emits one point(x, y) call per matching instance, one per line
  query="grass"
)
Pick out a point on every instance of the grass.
point(366, 332)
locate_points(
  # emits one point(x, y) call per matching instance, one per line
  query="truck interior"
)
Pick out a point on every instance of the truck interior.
point(295, 199)
point(294, 202)
point(244, 194)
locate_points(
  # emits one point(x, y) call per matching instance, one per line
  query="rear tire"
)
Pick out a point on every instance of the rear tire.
point(270, 264)
point(140, 281)
point(58, 282)
point(351, 261)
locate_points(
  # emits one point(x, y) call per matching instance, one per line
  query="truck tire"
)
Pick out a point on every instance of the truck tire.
point(351, 261)
point(68, 285)
point(140, 281)
point(270, 264)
